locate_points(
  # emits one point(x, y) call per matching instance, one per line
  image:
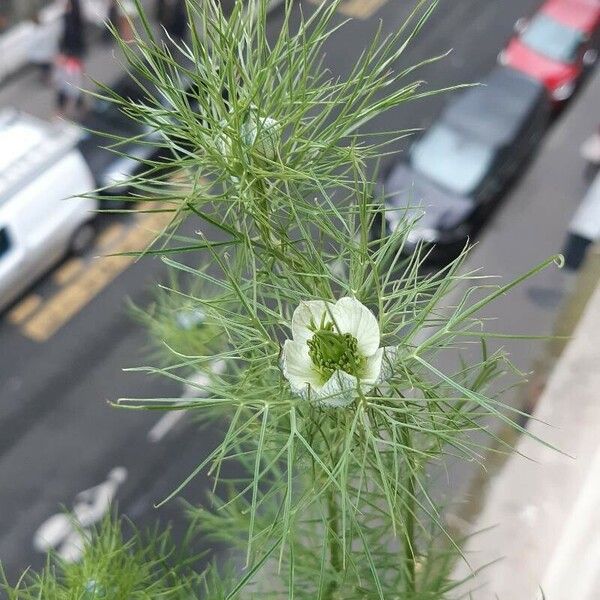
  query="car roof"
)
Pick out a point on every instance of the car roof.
point(582, 15)
point(495, 111)
point(28, 146)
point(19, 137)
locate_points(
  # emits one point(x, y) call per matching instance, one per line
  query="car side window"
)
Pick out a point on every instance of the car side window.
point(4, 241)
point(505, 163)
point(492, 182)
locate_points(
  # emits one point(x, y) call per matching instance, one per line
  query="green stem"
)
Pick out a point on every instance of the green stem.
point(333, 442)
point(277, 247)
point(409, 508)
point(333, 536)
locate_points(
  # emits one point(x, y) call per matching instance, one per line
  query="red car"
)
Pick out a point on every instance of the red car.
point(557, 45)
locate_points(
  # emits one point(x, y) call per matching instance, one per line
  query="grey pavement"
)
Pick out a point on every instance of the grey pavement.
point(57, 434)
point(541, 518)
point(26, 91)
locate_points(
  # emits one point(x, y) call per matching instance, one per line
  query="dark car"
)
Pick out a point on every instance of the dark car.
point(113, 164)
point(461, 166)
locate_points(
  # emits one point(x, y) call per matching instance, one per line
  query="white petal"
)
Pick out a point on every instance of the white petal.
point(297, 367)
point(373, 368)
point(350, 316)
point(338, 392)
point(305, 313)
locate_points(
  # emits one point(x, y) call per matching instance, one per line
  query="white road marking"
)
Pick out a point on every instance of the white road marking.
point(197, 388)
point(66, 533)
point(164, 425)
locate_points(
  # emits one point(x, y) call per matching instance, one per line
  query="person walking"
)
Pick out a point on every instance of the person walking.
point(73, 41)
point(5, 10)
point(120, 13)
point(68, 82)
point(68, 70)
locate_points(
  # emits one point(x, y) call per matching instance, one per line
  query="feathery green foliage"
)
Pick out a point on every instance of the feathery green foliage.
point(139, 566)
point(270, 165)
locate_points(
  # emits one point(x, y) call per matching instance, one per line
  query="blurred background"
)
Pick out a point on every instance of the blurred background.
point(511, 165)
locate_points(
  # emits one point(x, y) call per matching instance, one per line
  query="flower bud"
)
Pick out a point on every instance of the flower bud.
point(262, 133)
point(94, 591)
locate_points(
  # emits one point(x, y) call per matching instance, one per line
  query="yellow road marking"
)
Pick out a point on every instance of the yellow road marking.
point(110, 235)
point(24, 309)
point(357, 9)
point(67, 271)
point(362, 9)
point(72, 298)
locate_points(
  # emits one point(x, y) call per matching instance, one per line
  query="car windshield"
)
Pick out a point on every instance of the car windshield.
point(452, 161)
point(552, 39)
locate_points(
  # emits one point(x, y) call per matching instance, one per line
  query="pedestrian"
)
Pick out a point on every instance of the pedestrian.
point(68, 69)
point(590, 152)
point(5, 11)
point(43, 47)
point(72, 41)
point(120, 13)
point(68, 81)
point(172, 17)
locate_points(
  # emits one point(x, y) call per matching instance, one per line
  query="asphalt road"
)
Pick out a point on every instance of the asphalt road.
point(58, 436)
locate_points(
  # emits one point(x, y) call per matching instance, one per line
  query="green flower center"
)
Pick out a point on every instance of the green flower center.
point(331, 351)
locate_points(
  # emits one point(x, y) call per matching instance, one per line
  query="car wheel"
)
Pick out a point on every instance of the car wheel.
point(82, 239)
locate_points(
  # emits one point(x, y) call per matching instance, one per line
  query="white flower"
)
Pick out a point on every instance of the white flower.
point(334, 351)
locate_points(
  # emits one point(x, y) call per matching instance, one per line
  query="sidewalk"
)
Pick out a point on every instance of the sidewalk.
point(543, 512)
point(540, 515)
point(25, 91)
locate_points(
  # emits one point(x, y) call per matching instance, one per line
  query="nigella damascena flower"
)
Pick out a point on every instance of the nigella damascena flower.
point(335, 350)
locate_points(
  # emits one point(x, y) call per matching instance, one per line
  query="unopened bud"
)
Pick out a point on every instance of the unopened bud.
point(262, 133)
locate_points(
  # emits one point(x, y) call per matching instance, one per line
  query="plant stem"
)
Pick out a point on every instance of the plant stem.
point(409, 507)
point(333, 535)
point(278, 246)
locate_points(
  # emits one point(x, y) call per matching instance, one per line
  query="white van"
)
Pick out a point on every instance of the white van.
point(42, 215)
